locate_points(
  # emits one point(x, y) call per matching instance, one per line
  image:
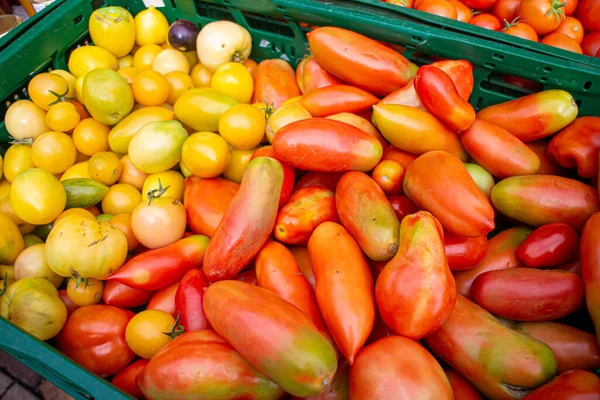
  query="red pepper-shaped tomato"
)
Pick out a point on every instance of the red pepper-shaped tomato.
point(273, 335)
point(205, 201)
point(360, 123)
point(397, 368)
point(464, 252)
point(576, 384)
point(549, 245)
point(289, 174)
point(360, 61)
point(344, 287)
point(304, 263)
point(590, 268)
point(94, 337)
point(158, 268)
point(164, 300)
point(527, 294)
point(500, 254)
point(462, 388)
point(402, 206)
point(249, 221)
point(534, 116)
point(188, 300)
point(274, 83)
point(311, 76)
point(548, 166)
point(577, 146)
point(499, 152)
point(306, 209)
point(277, 271)
point(366, 212)
point(202, 365)
point(327, 180)
point(122, 296)
point(438, 189)
point(573, 348)
point(126, 379)
point(541, 199)
point(337, 99)
point(321, 144)
point(416, 292)
point(439, 96)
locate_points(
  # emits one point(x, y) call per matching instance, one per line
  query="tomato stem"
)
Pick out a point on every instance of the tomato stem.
point(176, 330)
point(28, 141)
point(156, 193)
point(557, 10)
point(61, 97)
point(238, 57)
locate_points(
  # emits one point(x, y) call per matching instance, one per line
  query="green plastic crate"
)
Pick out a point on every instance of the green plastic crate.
point(47, 42)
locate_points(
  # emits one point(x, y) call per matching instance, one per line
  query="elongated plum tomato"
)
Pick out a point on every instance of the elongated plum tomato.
point(549, 245)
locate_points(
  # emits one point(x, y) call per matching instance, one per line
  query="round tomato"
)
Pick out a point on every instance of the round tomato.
point(242, 126)
point(171, 60)
point(520, 29)
point(572, 28)
point(171, 181)
point(159, 214)
point(85, 293)
point(562, 41)
point(570, 6)
point(94, 337)
point(443, 8)
point(105, 167)
point(91, 137)
point(144, 57)
point(486, 21)
point(283, 116)
point(79, 170)
point(25, 119)
point(62, 117)
point(506, 10)
point(54, 151)
point(201, 76)
point(130, 174)
point(588, 12)
point(179, 83)
point(150, 88)
point(123, 223)
point(148, 332)
point(121, 199)
point(16, 160)
point(544, 16)
point(237, 164)
point(463, 13)
point(46, 89)
point(590, 44)
point(37, 197)
point(389, 175)
point(206, 154)
point(234, 80)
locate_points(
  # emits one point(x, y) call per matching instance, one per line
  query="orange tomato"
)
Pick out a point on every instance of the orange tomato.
point(150, 88)
point(572, 28)
point(179, 83)
point(121, 199)
point(443, 8)
point(62, 117)
point(562, 41)
point(145, 56)
point(251, 66)
point(520, 29)
point(104, 167)
point(486, 21)
point(463, 13)
point(47, 89)
point(131, 175)
point(201, 76)
point(123, 223)
point(91, 137)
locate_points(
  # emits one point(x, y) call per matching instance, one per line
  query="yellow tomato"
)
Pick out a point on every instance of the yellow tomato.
point(32, 263)
point(150, 88)
point(85, 294)
point(81, 157)
point(82, 212)
point(79, 170)
point(179, 83)
point(11, 240)
point(151, 26)
point(54, 151)
point(16, 160)
point(145, 56)
point(172, 180)
point(47, 89)
point(145, 332)
point(91, 137)
point(201, 76)
point(170, 60)
point(131, 175)
point(123, 223)
point(37, 196)
point(237, 165)
point(88, 58)
point(205, 154)
point(234, 80)
point(283, 116)
point(67, 76)
point(79, 89)
point(105, 167)
point(242, 126)
point(113, 29)
point(184, 170)
point(125, 62)
point(121, 199)
point(62, 117)
point(4, 188)
point(24, 119)
point(7, 209)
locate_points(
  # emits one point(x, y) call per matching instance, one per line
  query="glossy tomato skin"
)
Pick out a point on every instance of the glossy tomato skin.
point(289, 173)
point(577, 146)
point(301, 361)
point(307, 208)
point(336, 99)
point(416, 292)
point(486, 21)
point(500, 254)
point(543, 15)
point(493, 356)
point(432, 190)
point(534, 116)
point(588, 13)
point(572, 28)
point(562, 41)
point(441, 98)
point(463, 13)
point(164, 299)
point(321, 144)
point(126, 378)
point(549, 245)
point(402, 206)
point(575, 384)
point(591, 44)
point(464, 252)
point(94, 337)
point(397, 368)
point(462, 388)
point(573, 348)
point(365, 211)
point(521, 30)
point(205, 201)
point(122, 296)
point(499, 152)
point(274, 83)
point(506, 10)
point(343, 287)
point(389, 176)
point(480, 4)
point(590, 267)
point(311, 76)
point(443, 8)
point(202, 364)
point(547, 165)
point(158, 268)
point(360, 61)
point(541, 199)
point(188, 301)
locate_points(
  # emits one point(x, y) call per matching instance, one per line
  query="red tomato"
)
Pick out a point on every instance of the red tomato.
point(506, 10)
point(122, 296)
point(486, 21)
point(389, 175)
point(443, 8)
point(402, 206)
point(126, 379)
point(480, 4)
point(164, 299)
point(543, 15)
point(463, 13)
point(570, 6)
point(549, 245)
point(562, 41)
point(591, 44)
point(68, 302)
point(520, 29)
point(188, 300)
point(464, 252)
point(336, 99)
point(588, 13)
point(575, 384)
point(572, 28)
point(94, 336)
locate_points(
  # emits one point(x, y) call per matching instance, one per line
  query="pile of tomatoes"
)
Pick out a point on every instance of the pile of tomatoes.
point(572, 25)
point(192, 224)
